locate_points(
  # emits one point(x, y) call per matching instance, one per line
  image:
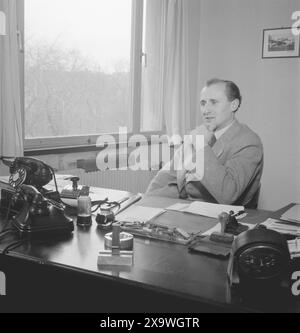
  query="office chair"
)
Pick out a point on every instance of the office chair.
point(252, 204)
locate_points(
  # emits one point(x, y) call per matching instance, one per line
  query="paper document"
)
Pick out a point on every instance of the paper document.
point(205, 208)
point(292, 214)
point(178, 207)
point(139, 213)
point(282, 227)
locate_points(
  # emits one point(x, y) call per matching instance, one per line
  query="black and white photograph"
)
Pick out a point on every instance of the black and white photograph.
point(149, 160)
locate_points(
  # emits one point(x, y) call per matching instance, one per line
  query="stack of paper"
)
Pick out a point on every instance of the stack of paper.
point(292, 214)
point(205, 208)
point(289, 222)
point(283, 227)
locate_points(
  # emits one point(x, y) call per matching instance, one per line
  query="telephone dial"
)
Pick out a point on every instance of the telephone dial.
point(30, 171)
point(33, 209)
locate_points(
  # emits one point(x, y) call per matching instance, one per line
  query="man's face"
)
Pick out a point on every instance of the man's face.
point(217, 111)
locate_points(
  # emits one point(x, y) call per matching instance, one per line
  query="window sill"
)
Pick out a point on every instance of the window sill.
point(64, 145)
point(60, 150)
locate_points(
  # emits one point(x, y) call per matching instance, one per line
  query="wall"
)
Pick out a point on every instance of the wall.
point(230, 47)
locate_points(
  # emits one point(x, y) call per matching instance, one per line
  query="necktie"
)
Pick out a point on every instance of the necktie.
point(181, 174)
point(212, 140)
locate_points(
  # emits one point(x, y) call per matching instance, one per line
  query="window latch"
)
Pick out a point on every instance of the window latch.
point(144, 59)
point(20, 41)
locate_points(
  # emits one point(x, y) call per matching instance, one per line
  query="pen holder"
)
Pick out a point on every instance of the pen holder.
point(230, 225)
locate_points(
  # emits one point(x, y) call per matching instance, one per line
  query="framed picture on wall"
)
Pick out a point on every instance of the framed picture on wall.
point(280, 43)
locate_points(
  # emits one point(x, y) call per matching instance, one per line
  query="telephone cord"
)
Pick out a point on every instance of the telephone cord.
point(12, 246)
point(6, 231)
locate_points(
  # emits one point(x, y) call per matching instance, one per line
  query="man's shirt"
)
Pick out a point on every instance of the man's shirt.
point(197, 175)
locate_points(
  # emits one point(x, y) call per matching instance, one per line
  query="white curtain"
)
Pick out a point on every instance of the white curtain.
point(11, 142)
point(166, 90)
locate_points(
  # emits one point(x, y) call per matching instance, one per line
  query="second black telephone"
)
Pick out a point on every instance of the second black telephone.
point(33, 209)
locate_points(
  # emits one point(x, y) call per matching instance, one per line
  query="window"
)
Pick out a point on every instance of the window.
point(82, 67)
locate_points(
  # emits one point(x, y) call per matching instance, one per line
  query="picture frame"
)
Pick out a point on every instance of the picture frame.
point(280, 43)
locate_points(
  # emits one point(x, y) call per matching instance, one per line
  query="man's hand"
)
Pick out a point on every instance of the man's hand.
point(207, 132)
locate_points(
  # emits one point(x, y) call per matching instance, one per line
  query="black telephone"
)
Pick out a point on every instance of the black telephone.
point(33, 209)
point(30, 171)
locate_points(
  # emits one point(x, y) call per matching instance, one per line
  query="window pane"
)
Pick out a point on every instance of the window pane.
point(77, 66)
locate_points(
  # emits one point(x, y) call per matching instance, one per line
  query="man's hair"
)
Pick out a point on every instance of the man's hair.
point(231, 89)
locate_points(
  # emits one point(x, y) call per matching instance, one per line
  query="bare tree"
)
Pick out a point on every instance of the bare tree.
point(66, 94)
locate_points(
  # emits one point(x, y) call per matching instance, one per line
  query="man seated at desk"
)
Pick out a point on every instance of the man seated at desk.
point(233, 155)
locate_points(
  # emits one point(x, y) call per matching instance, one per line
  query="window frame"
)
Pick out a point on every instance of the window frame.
point(84, 142)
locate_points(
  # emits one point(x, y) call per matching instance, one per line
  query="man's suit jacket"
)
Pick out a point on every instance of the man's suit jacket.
point(232, 171)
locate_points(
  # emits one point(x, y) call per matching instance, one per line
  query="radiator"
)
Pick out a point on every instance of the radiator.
point(127, 180)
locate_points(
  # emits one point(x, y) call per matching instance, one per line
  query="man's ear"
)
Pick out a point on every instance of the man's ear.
point(235, 104)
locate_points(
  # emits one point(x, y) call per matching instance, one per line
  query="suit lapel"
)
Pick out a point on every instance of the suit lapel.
point(219, 146)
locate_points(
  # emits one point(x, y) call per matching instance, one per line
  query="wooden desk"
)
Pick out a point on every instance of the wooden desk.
point(61, 275)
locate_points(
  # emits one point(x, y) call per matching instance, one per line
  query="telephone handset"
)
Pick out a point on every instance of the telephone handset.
point(36, 210)
point(29, 171)
point(39, 215)
point(38, 203)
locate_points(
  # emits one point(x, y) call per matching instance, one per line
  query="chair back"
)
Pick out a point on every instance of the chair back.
point(252, 204)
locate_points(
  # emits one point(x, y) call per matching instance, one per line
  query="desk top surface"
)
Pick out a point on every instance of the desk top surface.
point(157, 264)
